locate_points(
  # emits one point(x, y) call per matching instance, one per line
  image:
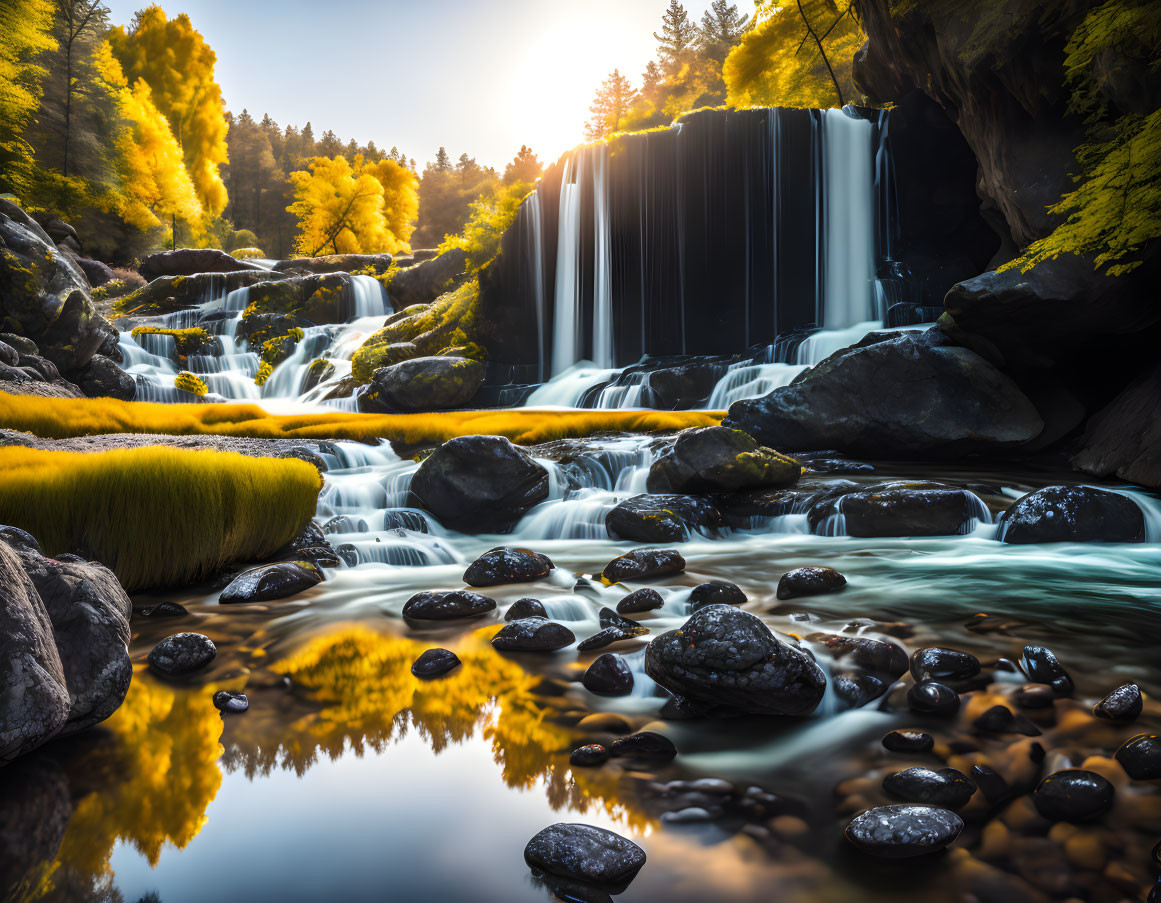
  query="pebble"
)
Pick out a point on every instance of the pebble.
point(991, 783)
point(1000, 719)
point(532, 635)
point(166, 610)
point(609, 675)
point(646, 599)
point(809, 581)
point(908, 741)
point(941, 664)
point(946, 787)
point(585, 853)
point(230, 701)
point(589, 755)
point(1035, 696)
point(645, 745)
point(610, 618)
point(1141, 757)
point(603, 638)
point(1042, 667)
point(856, 689)
point(182, 653)
point(1122, 704)
point(525, 608)
point(716, 592)
point(931, 698)
point(901, 832)
point(434, 662)
point(643, 564)
point(1073, 795)
point(447, 606)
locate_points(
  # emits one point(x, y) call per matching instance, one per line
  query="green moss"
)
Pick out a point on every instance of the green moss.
point(193, 340)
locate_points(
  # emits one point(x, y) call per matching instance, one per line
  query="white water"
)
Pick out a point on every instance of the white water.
point(566, 335)
point(849, 207)
point(602, 262)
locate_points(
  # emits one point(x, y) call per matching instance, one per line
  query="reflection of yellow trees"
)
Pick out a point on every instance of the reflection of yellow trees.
point(158, 788)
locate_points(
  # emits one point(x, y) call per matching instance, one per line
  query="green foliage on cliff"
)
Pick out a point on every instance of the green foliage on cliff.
point(1112, 60)
point(492, 213)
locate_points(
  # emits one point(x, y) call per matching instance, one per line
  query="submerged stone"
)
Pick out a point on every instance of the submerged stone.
point(901, 832)
point(856, 689)
point(905, 741)
point(585, 853)
point(434, 663)
point(931, 698)
point(589, 755)
point(644, 746)
point(610, 618)
point(604, 638)
point(182, 653)
point(231, 702)
point(809, 581)
point(1073, 795)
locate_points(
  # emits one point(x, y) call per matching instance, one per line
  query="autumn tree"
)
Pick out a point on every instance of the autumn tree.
point(25, 26)
point(610, 106)
point(178, 65)
point(400, 197)
point(677, 40)
point(525, 167)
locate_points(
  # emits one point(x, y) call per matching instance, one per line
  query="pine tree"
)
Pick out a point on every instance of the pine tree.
point(722, 28)
point(612, 102)
point(525, 167)
point(443, 161)
point(678, 38)
point(329, 145)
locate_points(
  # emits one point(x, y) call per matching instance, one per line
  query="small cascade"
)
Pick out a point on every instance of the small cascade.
point(566, 329)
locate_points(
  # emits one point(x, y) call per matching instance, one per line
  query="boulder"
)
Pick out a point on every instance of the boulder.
point(1073, 514)
point(902, 832)
point(44, 296)
point(96, 273)
point(1124, 439)
point(426, 281)
point(661, 518)
point(501, 566)
point(321, 299)
point(716, 592)
point(895, 509)
point(423, 384)
point(682, 387)
point(101, 378)
point(337, 263)
point(643, 564)
point(809, 581)
point(907, 397)
point(167, 294)
point(478, 484)
point(182, 654)
point(716, 459)
point(724, 657)
point(586, 854)
point(188, 261)
point(272, 581)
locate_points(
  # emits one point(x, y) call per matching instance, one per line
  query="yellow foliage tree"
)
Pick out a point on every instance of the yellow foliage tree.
point(348, 209)
point(25, 29)
point(779, 62)
point(492, 213)
point(155, 185)
point(178, 65)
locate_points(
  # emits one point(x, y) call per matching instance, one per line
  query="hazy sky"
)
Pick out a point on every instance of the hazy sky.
point(481, 76)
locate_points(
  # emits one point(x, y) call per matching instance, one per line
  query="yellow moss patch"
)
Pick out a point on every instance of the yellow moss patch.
point(157, 516)
point(60, 418)
point(191, 382)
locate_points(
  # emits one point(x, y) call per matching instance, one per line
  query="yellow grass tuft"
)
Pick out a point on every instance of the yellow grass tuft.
point(61, 418)
point(157, 516)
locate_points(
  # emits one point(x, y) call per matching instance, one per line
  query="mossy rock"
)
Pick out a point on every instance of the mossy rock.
point(717, 459)
point(168, 294)
point(193, 340)
point(424, 384)
point(321, 299)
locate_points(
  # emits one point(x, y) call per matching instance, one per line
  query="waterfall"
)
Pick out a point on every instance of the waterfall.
point(849, 217)
point(602, 275)
point(566, 337)
point(370, 298)
point(536, 262)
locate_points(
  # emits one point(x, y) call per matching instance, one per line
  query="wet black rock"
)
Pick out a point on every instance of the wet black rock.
point(856, 689)
point(1122, 704)
point(589, 755)
point(908, 741)
point(434, 663)
point(716, 592)
point(991, 783)
point(938, 663)
point(272, 581)
point(585, 853)
point(717, 459)
point(182, 653)
point(866, 652)
point(1035, 696)
point(604, 638)
point(532, 635)
point(901, 832)
point(810, 581)
point(165, 610)
point(447, 606)
point(896, 509)
point(931, 698)
point(1042, 667)
point(1141, 757)
point(503, 565)
point(610, 618)
point(661, 518)
point(946, 787)
point(478, 484)
point(231, 702)
point(646, 599)
point(1000, 719)
point(608, 676)
point(525, 608)
point(726, 657)
point(645, 746)
point(1072, 514)
point(643, 564)
point(1073, 795)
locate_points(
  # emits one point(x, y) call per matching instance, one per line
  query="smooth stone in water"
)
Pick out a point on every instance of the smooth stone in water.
point(1035, 696)
point(1141, 757)
point(1073, 795)
point(589, 755)
point(644, 746)
point(447, 606)
point(272, 581)
point(1072, 514)
point(931, 698)
point(182, 653)
point(908, 741)
point(532, 635)
point(608, 676)
point(866, 652)
point(938, 663)
point(525, 608)
point(1042, 667)
point(603, 638)
point(1122, 704)
point(993, 785)
point(857, 689)
point(503, 565)
point(231, 702)
point(641, 600)
point(610, 618)
point(585, 853)
point(643, 564)
point(946, 787)
point(166, 610)
point(716, 592)
point(809, 581)
point(434, 662)
point(901, 832)
point(1000, 719)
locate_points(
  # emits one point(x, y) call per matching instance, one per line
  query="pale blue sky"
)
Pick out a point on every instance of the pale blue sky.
point(475, 76)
